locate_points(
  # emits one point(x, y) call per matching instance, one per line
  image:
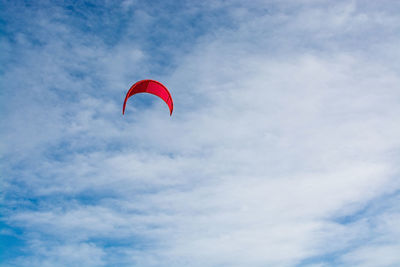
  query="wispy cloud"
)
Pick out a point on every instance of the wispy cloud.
point(282, 149)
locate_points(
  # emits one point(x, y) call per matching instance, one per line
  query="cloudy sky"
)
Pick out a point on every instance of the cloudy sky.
point(283, 148)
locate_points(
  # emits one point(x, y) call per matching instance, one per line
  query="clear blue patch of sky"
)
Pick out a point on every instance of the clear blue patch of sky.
point(11, 241)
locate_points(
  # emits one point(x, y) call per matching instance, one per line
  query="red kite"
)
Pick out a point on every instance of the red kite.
point(151, 87)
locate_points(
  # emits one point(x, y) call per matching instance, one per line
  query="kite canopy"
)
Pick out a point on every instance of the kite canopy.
point(151, 87)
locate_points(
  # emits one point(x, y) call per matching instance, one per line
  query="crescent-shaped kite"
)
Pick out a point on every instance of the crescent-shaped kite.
point(151, 87)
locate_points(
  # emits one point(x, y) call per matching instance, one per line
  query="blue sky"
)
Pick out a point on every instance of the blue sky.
point(282, 150)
